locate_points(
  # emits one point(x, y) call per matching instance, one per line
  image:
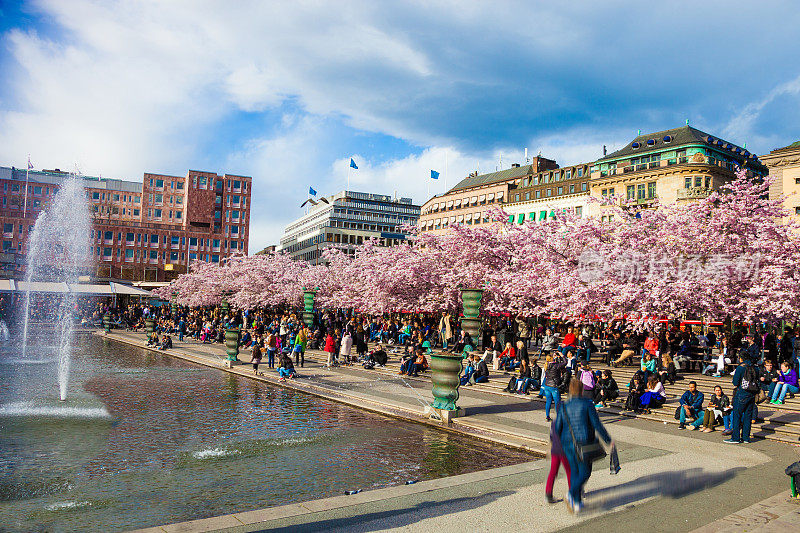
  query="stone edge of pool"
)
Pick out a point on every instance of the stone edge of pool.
point(269, 514)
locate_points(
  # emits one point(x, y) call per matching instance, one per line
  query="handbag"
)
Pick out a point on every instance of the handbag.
point(589, 452)
point(761, 396)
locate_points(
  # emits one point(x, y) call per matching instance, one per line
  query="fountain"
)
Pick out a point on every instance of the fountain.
point(58, 250)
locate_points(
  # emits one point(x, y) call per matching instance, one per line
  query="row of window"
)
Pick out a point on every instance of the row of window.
point(202, 182)
point(482, 199)
point(572, 188)
point(159, 184)
point(132, 238)
point(553, 176)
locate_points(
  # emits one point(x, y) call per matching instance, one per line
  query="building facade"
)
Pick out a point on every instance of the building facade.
point(345, 220)
point(472, 200)
point(148, 231)
point(667, 167)
point(784, 167)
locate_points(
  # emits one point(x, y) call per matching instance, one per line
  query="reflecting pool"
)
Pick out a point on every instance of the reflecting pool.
point(144, 439)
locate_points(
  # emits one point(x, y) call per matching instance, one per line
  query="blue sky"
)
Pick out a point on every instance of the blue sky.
point(288, 92)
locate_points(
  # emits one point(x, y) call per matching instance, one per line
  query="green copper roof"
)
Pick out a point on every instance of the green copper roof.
point(685, 135)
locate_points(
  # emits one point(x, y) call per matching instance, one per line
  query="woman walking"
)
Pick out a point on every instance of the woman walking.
point(576, 425)
point(557, 458)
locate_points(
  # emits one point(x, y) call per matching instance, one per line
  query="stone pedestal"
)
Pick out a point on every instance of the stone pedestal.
point(443, 414)
point(107, 322)
point(473, 327)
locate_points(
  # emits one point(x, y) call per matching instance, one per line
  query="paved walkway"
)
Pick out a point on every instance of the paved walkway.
point(670, 481)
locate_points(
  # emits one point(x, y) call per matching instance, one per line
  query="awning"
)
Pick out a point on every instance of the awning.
point(91, 288)
point(42, 286)
point(490, 197)
point(500, 194)
point(120, 288)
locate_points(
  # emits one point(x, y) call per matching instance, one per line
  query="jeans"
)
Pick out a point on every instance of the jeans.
point(555, 462)
point(743, 404)
point(444, 339)
point(482, 379)
point(580, 472)
point(551, 396)
point(682, 415)
point(284, 372)
point(782, 389)
point(271, 357)
point(402, 338)
point(180, 336)
point(467, 374)
point(300, 357)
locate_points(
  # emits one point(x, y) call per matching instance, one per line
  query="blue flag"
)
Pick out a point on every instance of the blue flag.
point(434, 175)
point(311, 192)
point(353, 164)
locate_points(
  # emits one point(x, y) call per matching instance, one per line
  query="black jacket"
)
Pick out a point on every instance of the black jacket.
point(481, 369)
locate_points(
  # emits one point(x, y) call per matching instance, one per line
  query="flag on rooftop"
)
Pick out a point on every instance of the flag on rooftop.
point(30, 165)
point(353, 164)
point(434, 175)
point(311, 192)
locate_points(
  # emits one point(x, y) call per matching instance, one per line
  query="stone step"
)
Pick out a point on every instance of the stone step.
point(772, 428)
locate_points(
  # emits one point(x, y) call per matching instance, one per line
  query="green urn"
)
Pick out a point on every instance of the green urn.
point(149, 325)
point(232, 343)
point(107, 322)
point(308, 307)
point(445, 372)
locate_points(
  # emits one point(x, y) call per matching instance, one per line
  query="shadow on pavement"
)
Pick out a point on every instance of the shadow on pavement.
point(672, 484)
point(394, 517)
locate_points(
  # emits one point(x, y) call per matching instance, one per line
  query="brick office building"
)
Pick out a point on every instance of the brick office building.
point(148, 231)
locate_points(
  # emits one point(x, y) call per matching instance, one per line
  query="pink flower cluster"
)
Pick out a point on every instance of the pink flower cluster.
point(705, 253)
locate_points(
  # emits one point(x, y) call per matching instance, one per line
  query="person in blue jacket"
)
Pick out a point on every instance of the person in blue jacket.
point(578, 416)
point(691, 404)
point(745, 379)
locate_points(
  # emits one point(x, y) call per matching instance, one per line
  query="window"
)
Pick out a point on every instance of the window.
point(604, 192)
point(611, 191)
point(539, 193)
point(549, 192)
point(129, 253)
point(698, 181)
point(157, 213)
point(651, 189)
point(568, 174)
point(37, 190)
point(237, 184)
point(136, 212)
point(173, 256)
point(560, 191)
point(179, 214)
point(527, 195)
point(174, 240)
point(159, 198)
point(214, 258)
point(580, 172)
point(216, 243)
point(572, 188)
point(160, 184)
point(8, 228)
point(153, 254)
point(107, 251)
point(179, 185)
point(640, 191)
point(192, 241)
point(109, 235)
point(129, 237)
point(687, 183)
point(95, 196)
point(708, 182)
point(521, 218)
point(217, 215)
point(116, 197)
point(192, 256)
point(631, 192)
point(578, 211)
point(585, 186)
point(153, 239)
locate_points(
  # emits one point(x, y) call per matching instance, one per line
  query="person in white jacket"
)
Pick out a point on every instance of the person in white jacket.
point(347, 346)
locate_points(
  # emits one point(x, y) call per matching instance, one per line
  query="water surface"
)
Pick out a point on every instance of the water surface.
point(145, 439)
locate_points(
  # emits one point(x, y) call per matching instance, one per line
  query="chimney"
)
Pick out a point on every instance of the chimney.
point(605, 151)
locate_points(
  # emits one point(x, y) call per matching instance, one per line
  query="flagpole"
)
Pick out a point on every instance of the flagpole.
point(348, 177)
point(445, 170)
point(27, 173)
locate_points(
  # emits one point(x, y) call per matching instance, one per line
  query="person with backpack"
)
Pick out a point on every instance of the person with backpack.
point(746, 382)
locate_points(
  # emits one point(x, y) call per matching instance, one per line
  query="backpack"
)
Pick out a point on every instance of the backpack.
point(750, 379)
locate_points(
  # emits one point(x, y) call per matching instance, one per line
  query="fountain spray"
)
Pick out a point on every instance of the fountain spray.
point(58, 250)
